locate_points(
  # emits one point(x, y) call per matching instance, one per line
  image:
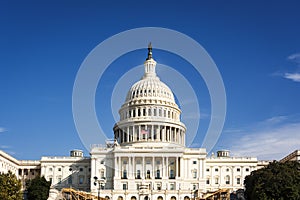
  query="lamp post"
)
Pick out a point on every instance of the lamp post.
point(99, 182)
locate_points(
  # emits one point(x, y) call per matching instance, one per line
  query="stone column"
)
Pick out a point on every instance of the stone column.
point(127, 134)
point(163, 167)
point(176, 167)
point(143, 168)
point(152, 133)
point(167, 167)
point(153, 165)
point(133, 166)
point(120, 166)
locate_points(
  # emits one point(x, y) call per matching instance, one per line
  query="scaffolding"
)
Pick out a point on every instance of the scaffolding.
point(221, 194)
point(72, 194)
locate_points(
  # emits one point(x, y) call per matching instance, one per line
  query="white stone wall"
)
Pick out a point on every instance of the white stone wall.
point(65, 172)
point(228, 172)
point(8, 163)
point(180, 169)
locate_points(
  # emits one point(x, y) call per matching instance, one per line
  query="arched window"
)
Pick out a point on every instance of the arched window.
point(160, 198)
point(133, 198)
point(120, 198)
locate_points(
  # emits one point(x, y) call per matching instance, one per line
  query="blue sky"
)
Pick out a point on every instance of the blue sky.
point(255, 45)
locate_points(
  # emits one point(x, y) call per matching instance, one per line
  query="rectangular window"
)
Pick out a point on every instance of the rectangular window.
point(81, 179)
point(247, 169)
point(124, 174)
point(124, 186)
point(216, 181)
point(238, 180)
point(207, 169)
point(157, 174)
point(158, 186)
point(216, 169)
point(194, 162)
point(194, 186)
point(138, 174)
point(238, 169)
point(195, 174)
point(172, 186)
point(148, 174)
point(59, 169)
point(102, 174)
point(227, 180)
point(207, 181)
point(172, 175)
point(124, 162)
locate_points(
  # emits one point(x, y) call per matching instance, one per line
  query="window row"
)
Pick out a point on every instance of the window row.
point(150, 112)
point(228, 169)
point(59, 169)
point(150, 92)
point(81, 179)
point(157, 174)
point(156, 186)
point(227, 180)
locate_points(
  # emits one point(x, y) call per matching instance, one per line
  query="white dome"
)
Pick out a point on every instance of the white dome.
point(150, 113)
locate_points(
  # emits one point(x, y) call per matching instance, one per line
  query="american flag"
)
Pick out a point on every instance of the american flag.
point(144, 131)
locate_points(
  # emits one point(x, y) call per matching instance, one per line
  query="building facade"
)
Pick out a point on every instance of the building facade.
point(147, 159)
point(72, 171)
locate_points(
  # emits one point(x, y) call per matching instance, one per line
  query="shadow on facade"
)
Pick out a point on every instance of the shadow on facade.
point(76, 176)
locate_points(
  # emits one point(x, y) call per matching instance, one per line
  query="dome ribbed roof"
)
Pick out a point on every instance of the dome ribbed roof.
point(150, 87)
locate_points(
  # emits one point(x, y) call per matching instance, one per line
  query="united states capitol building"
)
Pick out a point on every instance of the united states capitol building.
point(147, 159)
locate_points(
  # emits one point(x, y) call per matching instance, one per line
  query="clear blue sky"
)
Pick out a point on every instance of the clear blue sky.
point(255, 45)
